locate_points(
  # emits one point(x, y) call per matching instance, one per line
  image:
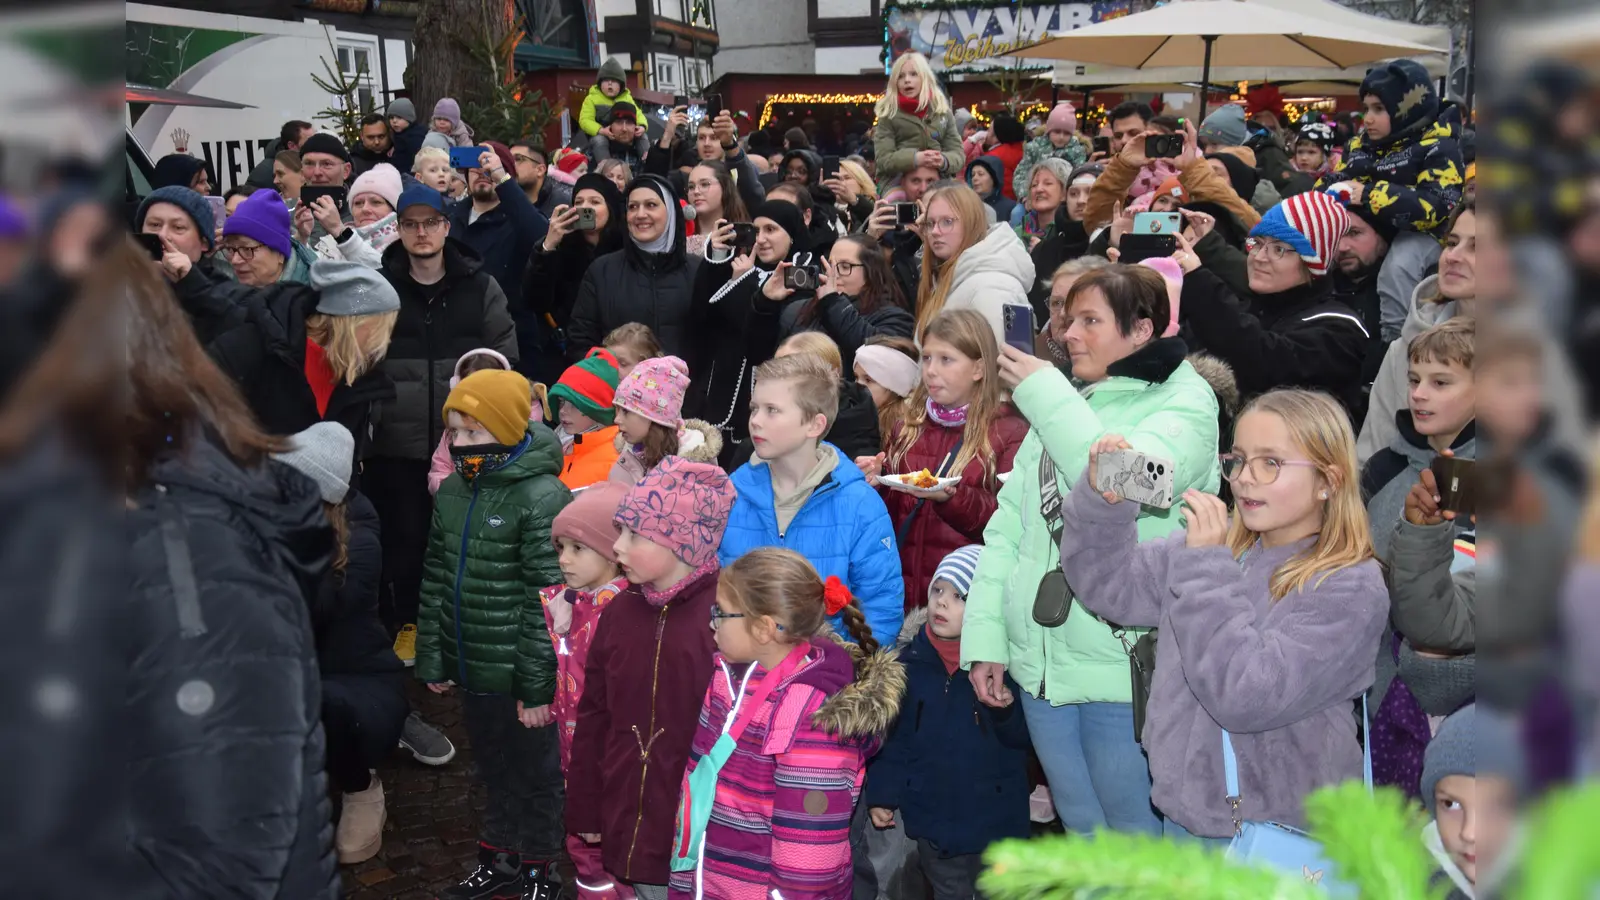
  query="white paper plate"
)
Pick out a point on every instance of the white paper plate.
point(893, 482)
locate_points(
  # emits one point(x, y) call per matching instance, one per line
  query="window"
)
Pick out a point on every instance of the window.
point(358, 62)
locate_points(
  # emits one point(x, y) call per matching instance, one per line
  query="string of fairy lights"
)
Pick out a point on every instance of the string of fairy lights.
point(1089, 118)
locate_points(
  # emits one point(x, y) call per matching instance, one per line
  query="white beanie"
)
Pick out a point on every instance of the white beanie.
point(325, 453)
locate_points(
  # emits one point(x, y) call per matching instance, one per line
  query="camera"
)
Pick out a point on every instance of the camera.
point(801, 278)
point(1163, 146)
point(585, 219)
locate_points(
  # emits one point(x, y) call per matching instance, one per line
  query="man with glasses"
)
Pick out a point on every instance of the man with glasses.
point(533, 168)
point(324, 162)
point(502, 226)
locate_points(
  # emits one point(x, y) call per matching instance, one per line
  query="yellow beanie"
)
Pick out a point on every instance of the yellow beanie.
point(501, 400)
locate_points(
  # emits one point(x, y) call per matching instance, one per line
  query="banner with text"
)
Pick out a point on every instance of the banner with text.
point(975, 37)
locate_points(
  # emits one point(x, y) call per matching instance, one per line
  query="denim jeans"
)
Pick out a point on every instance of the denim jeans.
point(1098, 774)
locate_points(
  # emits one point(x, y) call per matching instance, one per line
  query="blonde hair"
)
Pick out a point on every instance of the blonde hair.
point(864, 183)
point(816, 387)
point(771, 581)
point(817, 344)
point(930, 98)
point(427, 155)
point(970, 334)
point(338, 336)
point(1448, 343)
point(933, 287)
point(1319, 426)
point(634, 337)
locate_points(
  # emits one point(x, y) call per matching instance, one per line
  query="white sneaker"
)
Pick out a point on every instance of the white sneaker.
point(360, 832)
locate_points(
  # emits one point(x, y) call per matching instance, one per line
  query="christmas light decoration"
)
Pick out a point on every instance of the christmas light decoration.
point(791, 99)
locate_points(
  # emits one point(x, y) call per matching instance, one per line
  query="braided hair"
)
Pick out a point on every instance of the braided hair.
point(771, 581)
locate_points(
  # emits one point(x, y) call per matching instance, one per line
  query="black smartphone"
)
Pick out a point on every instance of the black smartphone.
point(1019, 326)
point(151, 244)
point(680, 100)
point(1139, 247)
point(744, 235)
point(906, 213)
point(1102, 145)
point(830, 166)
point(585, 219)
point(1163, 146)
point(714, 105)
point(309, 194)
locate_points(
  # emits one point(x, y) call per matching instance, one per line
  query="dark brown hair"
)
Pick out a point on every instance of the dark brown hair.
point(894, 412)
point(772, 581)
point(1132, 293)
point(881, 289)
point(659, 443)
point(733, 208)
point(336, 513)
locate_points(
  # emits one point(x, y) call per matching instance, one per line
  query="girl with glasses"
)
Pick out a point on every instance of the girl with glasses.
point(968, 263)
point(712, 194)
point(1268, 614)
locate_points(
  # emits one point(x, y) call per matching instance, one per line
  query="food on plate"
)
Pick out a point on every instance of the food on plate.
point(923, 479)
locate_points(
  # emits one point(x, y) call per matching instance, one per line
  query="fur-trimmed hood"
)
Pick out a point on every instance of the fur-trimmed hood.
point(1219, 375)
point(698, 441)
point(866, 706)
point(914, 621)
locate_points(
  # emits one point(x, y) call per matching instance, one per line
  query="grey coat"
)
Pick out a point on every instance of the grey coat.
point(1281, 677)
point(1431, 606)
point(1388, 476)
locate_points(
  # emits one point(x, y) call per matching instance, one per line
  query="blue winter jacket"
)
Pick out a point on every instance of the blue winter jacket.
point(956, 770)
point(843, 529)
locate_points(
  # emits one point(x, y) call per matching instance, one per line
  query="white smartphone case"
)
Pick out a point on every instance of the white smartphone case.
point(1136, 476)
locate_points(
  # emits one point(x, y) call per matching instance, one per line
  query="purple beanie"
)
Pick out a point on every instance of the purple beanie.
point(682, 506)
point(262, 217)
point(448, 108)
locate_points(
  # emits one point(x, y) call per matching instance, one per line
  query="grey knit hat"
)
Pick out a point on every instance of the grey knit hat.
point(1225, 127)
point(323, 453)
point(402, 108)
point(1451, 752)
point(351, 289)
point(959, 567)
point(1441, 685)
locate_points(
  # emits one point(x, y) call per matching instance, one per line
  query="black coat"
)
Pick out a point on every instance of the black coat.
point(351, 639)
point(1066, 241)
point(630, 285)
point(504, 238)
point(836, 316)
point(1298, 338)
point(261, 345)
point(224, 773)
point(729, 336)
point(362, 160)
point(406, 145)
point(468, 311)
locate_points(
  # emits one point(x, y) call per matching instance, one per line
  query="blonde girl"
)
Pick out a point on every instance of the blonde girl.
point(915, 127)
point(890, 368)
point(968, 263)
point(801, 738)
point(956, 424)
point(1268, 615)
point(631, 344)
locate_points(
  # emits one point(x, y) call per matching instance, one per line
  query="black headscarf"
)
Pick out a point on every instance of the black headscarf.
point(616, 230)
point(178, 169)
point(790, 219)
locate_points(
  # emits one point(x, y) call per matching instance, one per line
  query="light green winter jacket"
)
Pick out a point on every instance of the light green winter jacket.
point(1175, 417)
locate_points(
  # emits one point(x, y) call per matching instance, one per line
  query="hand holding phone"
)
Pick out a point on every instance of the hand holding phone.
point(1163, 146)
point(1453, 479)
point(1132, 475)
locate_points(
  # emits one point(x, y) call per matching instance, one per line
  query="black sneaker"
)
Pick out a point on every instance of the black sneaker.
point(540, 881)
point(497, 877)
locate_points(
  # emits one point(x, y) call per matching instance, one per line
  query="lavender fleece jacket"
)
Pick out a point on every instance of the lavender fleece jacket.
point(1280, 676)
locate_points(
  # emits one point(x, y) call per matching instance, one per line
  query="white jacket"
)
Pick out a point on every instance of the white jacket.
point(365, 245)
point(991, 274)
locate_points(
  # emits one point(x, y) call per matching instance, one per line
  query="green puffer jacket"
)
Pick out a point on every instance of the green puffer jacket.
point(898, 136)
point(1158, 402)
point(481, 624)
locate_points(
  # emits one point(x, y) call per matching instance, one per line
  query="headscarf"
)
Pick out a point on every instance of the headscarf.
point(616, 230)
point(667, 239)
point(788, 217)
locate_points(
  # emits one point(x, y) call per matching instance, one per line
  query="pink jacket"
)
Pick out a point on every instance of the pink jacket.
point(572, 617)
point(794, 776)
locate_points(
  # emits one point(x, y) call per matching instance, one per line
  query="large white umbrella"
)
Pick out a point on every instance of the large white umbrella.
point(1202, 33)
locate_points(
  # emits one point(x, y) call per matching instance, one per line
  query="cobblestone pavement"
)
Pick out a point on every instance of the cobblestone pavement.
point(430, 839)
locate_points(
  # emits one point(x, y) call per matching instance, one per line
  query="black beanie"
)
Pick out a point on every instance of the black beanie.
point(789, 218)
point(1008, 130)
point(1383, 225)
point(1243, 178)
point(1406, 90)
point(323, 142)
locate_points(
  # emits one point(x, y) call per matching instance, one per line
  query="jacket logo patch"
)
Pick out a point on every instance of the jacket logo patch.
point(494, 521)
point(815, 802)
point(888, 543)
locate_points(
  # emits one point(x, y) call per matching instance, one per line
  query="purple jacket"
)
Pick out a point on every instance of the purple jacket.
point(1280, 676)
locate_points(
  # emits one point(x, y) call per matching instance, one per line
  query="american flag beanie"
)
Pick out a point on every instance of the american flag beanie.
point(1311, 223)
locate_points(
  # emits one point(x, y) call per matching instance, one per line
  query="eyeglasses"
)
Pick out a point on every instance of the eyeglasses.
point(1275, 250)
point(527, 159)
point(242, 251)
point(1057, 305)
point(845, 268)
point(717, 615)
point(948, 223)
point(412, 226)
point(1263, 469)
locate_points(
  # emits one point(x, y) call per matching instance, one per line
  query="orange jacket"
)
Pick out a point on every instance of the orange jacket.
point(591, 458)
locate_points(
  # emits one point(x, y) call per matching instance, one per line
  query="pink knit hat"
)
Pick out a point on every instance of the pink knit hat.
point(655, 389)
point(591, 518)
point(383, 180)
point(1063, 118)
point(682, 506)
point(1172, 274)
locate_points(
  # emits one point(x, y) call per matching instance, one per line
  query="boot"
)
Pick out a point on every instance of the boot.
point(497, 877)
point(540, 881)
point(360, 832)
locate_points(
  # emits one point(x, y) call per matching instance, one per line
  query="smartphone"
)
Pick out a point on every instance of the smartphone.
point(680, 100)
point(906, 213)
point(1163, 146)
point(1457, 488)
point(309, 194)
point(744, 235)
point(714, 106)
point(466, 157)
point(151, 244)
point(585, 219)
point(830, 166)
point(1019, 326)
point(1137, 247)
point(1157, 223)
point(1102, 145)
point(1136, 476)
point(219, 208)
point(801, 278)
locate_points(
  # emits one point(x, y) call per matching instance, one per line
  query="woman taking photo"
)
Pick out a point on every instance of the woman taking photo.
point(558, 265)
point(1074, 672)
point(857, 298)
point(714, 197)
point(968, 263)
point(649, 281)
point(915, 126)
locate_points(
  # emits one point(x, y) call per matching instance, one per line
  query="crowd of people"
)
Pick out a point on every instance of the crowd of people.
point(764, 558)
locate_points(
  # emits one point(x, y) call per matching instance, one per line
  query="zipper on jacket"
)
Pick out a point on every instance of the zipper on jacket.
point(427, 352)
point(645, 744)
point(461, 568)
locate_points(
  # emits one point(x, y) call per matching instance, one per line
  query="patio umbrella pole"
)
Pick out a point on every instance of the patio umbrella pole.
point(1205, 73)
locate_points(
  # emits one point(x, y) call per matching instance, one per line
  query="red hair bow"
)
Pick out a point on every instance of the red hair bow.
point(835, 596)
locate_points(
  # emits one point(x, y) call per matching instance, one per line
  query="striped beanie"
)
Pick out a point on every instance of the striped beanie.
point(958, 568)
point(591, 385)
point(1311, 223)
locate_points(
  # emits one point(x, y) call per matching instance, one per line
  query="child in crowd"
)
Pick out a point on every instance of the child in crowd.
point(650, 423)
point(481, 359)
point(631, 344)
point(890, 368)
point(1453, 794)
point(431, 166)
point(489, 554)
point(1058, 142)
point(957, 770)
point(855, 427)
point(800, 492)
point(586, 534)
point(609, 89)
point(1438, 417)
point(1314, 146)
point(957, 424)
point(585, 394)
point(804, 711)
point(914, 126)
point(447, 121)
point(647, 673)
point(1269, 615)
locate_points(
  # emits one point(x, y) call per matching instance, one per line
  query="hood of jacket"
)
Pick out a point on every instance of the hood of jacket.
point(997, 171)
point(177, 169)
point(869, 687)
point(1445, 124)
point(1000, 252)
point(1415, 448)
point(1425, 313)
point(539, 453)
point(698, 441)
point(811, 158)
point(913, 623)
point(1219, 375)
